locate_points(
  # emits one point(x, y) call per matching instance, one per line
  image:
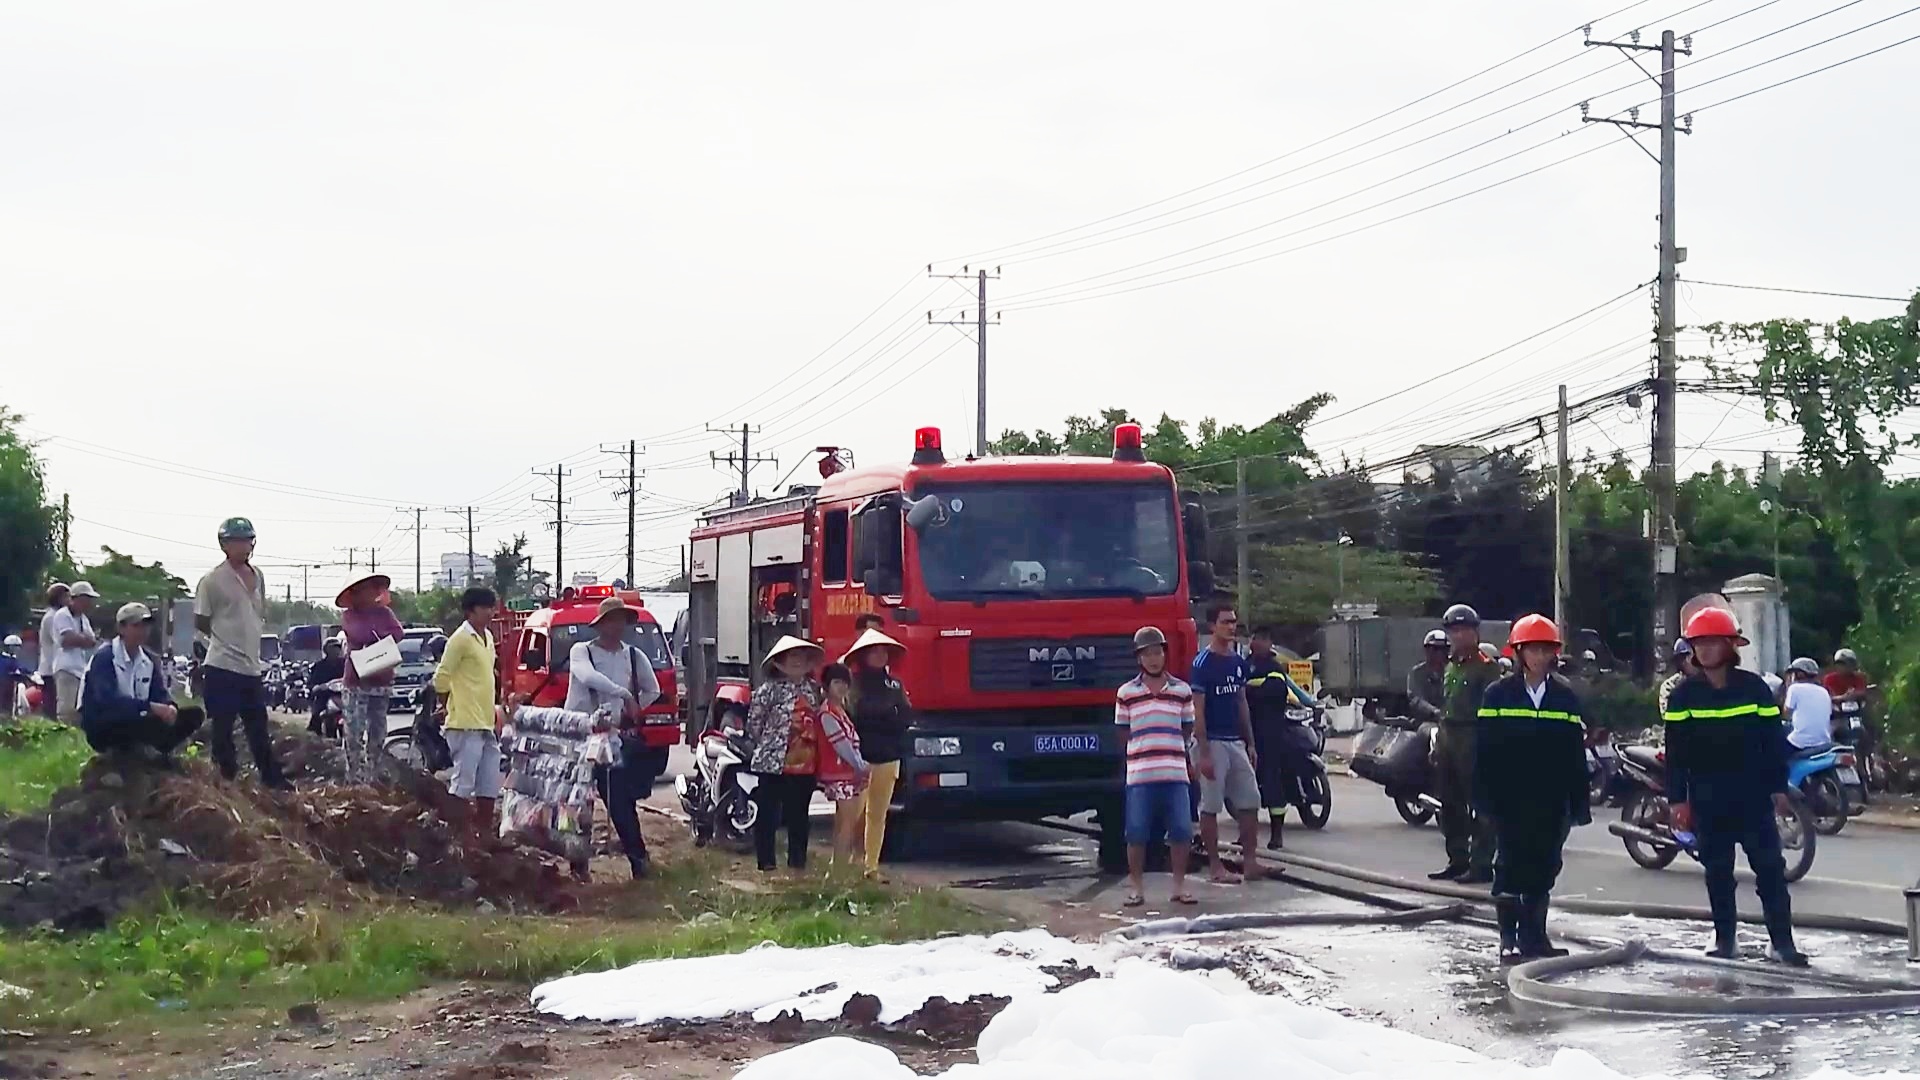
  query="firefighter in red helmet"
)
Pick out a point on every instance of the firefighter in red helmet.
point(1531, 779)
point(1727, 777)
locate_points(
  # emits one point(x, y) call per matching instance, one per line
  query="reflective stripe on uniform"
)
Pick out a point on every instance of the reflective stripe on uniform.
point(1735, 712)
point(1532, 714)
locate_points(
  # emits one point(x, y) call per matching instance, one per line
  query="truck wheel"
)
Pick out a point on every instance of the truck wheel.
point(1113, 838)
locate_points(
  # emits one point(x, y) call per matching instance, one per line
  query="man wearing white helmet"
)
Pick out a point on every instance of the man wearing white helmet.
point(14, 674)
point(72, 632)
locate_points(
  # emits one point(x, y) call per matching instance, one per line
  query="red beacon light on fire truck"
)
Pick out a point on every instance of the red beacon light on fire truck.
point(1127, 443)
point(594, 592)
point(926, 447)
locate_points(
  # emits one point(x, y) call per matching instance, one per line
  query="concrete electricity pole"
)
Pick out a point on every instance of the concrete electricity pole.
point(1242, 575)
point(558, 474)
point(414, 528)
point(1666, 601)
point(468, 533)
point(744, 461)
point(630, 490)
point(980, 324)
point(1562, 549)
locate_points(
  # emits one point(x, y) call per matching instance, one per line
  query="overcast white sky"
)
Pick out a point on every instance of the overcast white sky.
point(313, 263)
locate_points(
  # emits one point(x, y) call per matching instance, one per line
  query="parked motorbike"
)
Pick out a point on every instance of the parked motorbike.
point(1850, 729)
point(1396, 752)
point(26, 696)
point(294, 691)
point(1646, 829)
point(718, 794)
point(1831, 786)
point(1311, 794)
point(1604, 785)
point(332, 715)
point(274, 684)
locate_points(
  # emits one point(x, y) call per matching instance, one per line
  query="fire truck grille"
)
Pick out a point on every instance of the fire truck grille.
point(1009, 664)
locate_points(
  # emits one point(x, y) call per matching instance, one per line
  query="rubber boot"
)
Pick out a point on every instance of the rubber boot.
point(1533, 935)
point(1452, 871)
point(1780, 937)
point(1507, 910)
point(1726, 943)
point(1276, 831)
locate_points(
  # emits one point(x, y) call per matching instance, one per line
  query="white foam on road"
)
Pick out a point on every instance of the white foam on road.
point(1149, 1023)
point(770, 979)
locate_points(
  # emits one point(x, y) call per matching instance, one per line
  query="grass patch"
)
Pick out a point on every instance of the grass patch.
point(183, 962)
point(37, 758)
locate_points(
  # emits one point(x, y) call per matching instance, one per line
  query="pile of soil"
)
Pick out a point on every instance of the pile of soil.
point(127, 829)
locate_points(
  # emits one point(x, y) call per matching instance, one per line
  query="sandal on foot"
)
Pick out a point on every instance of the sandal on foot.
point(1185, 899)
point(1134, 900)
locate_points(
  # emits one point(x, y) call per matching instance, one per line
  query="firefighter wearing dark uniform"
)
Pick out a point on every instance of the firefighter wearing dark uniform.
point(1280, 742)
point(1530, 775)
point(1469, 835)
point(1726, 776)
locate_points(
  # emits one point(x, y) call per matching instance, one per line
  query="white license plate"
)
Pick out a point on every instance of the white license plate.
point(1847, 775)
point(1066, 744)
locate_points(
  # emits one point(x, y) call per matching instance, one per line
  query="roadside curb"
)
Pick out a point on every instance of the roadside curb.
point(1889, 821)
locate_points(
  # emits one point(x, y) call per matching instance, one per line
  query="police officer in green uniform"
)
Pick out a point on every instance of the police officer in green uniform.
point(1469, 836)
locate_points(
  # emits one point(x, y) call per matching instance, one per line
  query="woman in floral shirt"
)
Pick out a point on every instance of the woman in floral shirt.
point(783, 724)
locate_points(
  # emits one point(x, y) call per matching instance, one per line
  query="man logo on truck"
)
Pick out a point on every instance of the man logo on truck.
point(1043, 654)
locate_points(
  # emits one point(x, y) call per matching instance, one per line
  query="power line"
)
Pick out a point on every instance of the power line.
point(1300, 149)
point(1815, 71)
point(1801, 292)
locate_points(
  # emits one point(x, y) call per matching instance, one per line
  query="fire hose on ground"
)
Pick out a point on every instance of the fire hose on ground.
point(1534, 981)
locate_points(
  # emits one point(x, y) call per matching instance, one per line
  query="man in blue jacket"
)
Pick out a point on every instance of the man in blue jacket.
point(124, 703)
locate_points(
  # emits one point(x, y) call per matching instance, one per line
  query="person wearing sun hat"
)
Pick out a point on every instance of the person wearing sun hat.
point(608, 674)
point(783, 726)
point(880, 713)
point(365, 618)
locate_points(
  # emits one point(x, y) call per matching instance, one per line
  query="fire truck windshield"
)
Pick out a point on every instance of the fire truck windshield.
point(643, 636)
point(1049, 540)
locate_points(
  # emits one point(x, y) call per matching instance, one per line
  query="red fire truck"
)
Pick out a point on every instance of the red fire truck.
point(1016, 585)
point(534, 647)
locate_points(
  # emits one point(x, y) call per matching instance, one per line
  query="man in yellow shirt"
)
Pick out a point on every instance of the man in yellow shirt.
point(465, 683)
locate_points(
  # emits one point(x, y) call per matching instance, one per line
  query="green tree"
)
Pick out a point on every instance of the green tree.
point(26, 523)
point(281, 615)
point(435, 607)
point(1843, 384)
point(121, 578)
point(509, 560)
point(1297, 584)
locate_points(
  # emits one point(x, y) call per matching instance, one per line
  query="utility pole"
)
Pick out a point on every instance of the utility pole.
point(415, 528)
point(980, 324)
point(1562, 548)
point(630, 490)
point(1666, 600)
point(1241, 574)
point(744, 461)
point(468, 533)
point(66, 529)
point(558, 474)
point(350, 553)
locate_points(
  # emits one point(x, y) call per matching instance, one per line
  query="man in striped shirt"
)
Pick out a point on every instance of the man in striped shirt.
point(1156, 709)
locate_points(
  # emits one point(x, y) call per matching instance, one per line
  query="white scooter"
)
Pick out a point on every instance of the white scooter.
point(718, 794)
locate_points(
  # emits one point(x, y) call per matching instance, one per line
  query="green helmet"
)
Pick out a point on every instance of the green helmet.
point(236, 528)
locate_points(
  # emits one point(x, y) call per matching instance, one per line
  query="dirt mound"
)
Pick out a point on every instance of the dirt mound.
point(126, 829)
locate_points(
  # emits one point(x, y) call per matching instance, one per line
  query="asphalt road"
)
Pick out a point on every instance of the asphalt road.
point(1862, 871)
